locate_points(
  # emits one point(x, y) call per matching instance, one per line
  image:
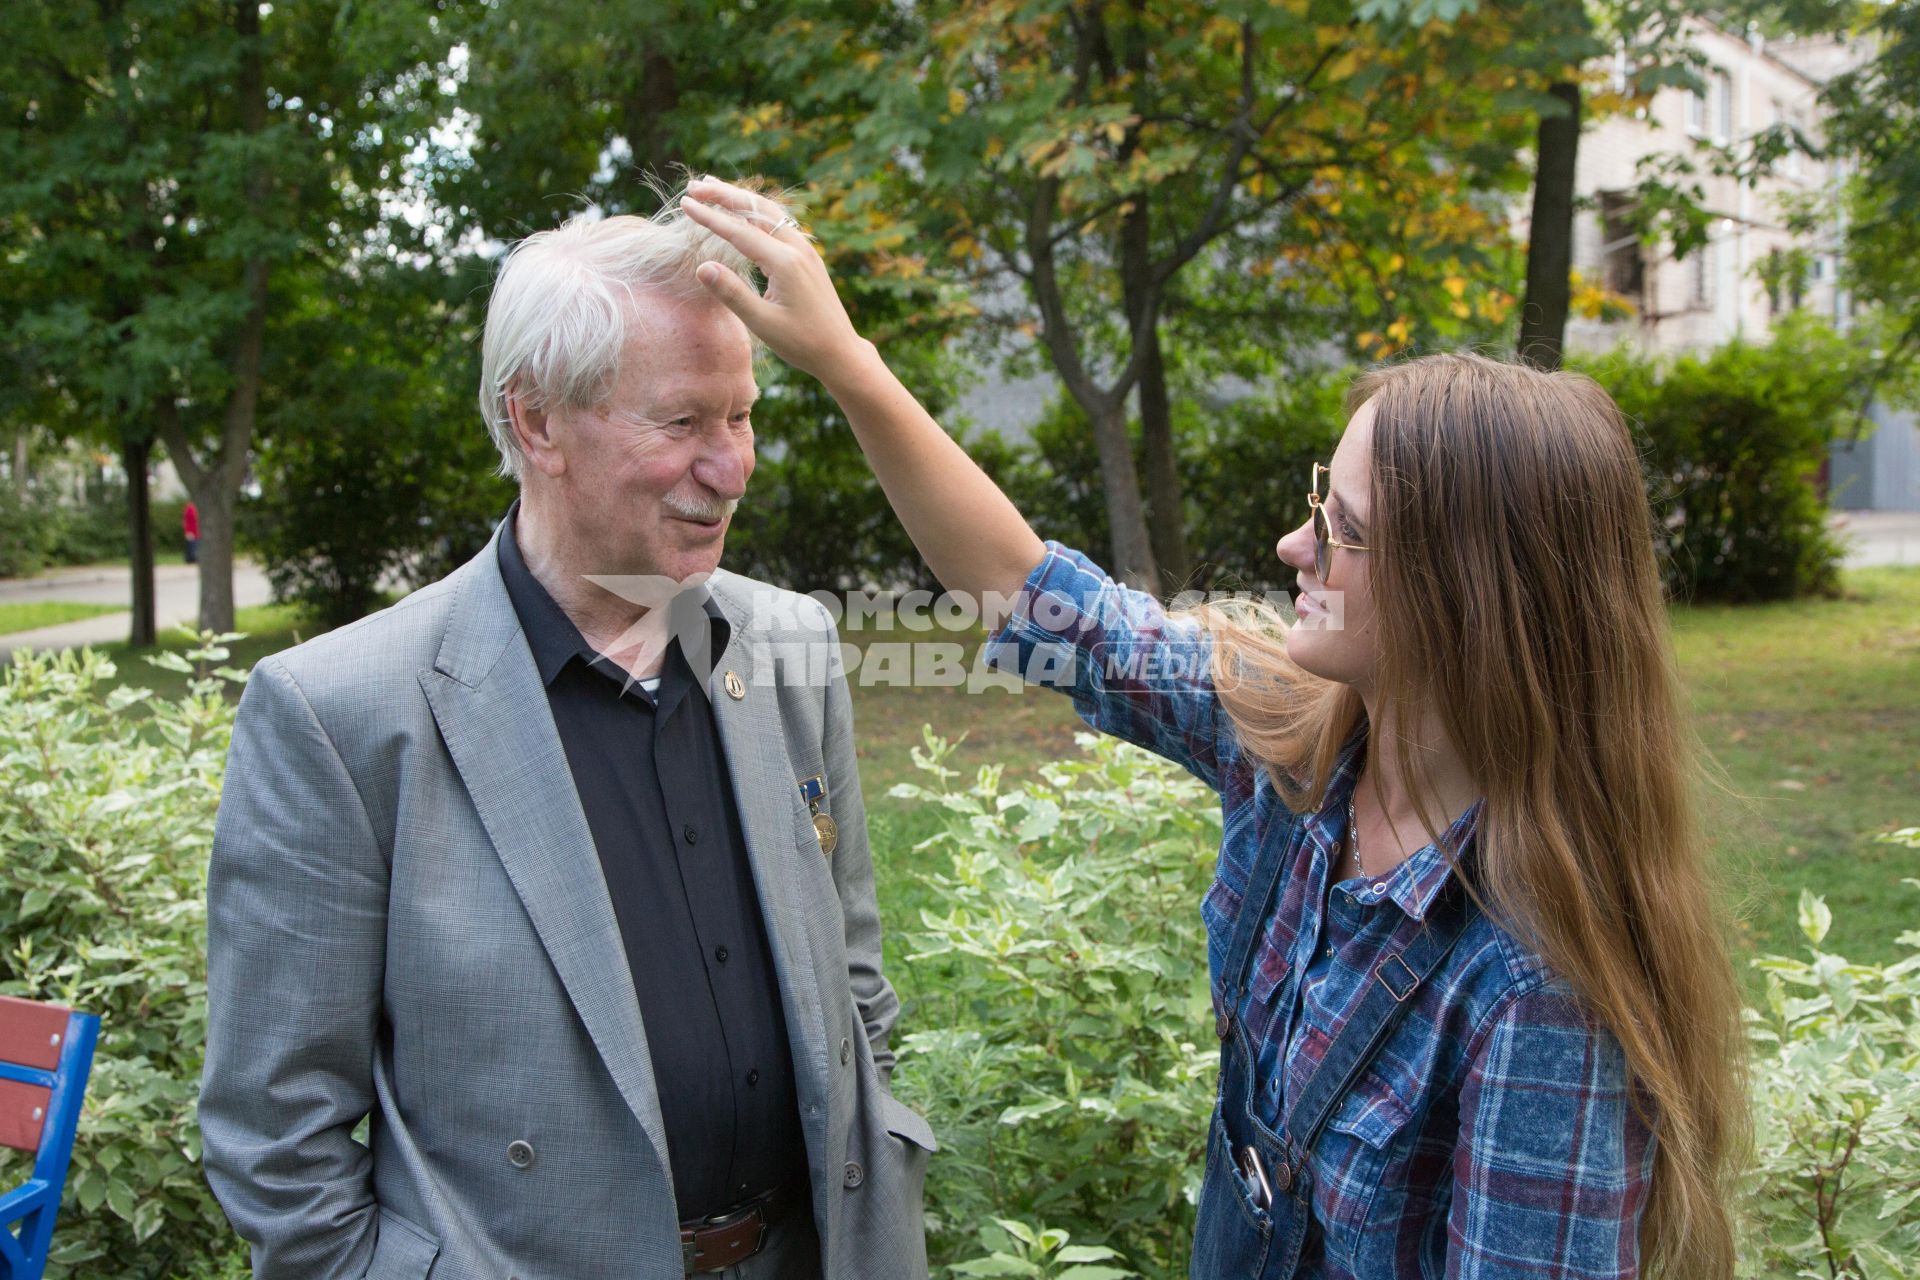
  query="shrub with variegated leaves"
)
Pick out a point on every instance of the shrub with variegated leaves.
point(1060, 1041)
point(107, 800)
point(1836, 1089)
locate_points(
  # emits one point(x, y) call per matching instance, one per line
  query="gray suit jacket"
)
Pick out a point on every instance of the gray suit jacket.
point(407, 920)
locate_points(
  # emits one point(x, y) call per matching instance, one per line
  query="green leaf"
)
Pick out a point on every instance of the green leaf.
point(1815, 918)
point(1085, 1253)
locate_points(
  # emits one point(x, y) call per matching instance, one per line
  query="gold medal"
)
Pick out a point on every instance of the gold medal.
point(828, 832)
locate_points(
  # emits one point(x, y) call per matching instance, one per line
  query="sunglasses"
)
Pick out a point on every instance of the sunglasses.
point(1323, 540)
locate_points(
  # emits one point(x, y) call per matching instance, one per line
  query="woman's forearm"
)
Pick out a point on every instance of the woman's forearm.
point(970, 534)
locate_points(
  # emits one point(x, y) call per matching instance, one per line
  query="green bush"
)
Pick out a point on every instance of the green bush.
point(107, 821)
point(169, 532)
point(26, 540)
point(1836, 1089)
point(93, 528)
point(1733, 443)
point(1061, 981)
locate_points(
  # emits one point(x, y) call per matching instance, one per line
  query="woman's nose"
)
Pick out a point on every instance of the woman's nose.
point(1295, 547)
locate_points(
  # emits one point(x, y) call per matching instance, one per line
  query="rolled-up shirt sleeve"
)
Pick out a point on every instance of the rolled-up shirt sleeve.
point(1132, 670)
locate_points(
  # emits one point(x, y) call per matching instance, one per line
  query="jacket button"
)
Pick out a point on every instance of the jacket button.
point(520, 1154)
point(846, 1052)
point(855, 1175)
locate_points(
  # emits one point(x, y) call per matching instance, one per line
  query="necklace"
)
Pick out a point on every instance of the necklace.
point(1353, 830)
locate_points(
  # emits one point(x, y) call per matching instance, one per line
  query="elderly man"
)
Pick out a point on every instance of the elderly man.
point(557, 872)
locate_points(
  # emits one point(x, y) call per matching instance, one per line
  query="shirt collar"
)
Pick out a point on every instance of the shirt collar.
point(556, 641)
point(1416, 882)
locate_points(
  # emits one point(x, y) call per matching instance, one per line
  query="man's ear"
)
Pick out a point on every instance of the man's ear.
point(536, 431)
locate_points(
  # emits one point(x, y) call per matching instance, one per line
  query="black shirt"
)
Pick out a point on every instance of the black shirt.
point(653, 783)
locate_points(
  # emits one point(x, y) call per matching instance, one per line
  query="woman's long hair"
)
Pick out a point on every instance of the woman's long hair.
point(1516, 595)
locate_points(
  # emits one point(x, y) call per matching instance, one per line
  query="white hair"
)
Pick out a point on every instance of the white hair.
point(557, 320)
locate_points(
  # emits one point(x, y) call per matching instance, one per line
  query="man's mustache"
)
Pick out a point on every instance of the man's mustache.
point(706, 512)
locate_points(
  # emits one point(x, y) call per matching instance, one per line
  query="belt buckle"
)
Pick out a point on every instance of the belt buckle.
point(690, 1249)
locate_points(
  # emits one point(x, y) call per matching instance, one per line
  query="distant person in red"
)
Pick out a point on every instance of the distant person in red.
point(190, 525)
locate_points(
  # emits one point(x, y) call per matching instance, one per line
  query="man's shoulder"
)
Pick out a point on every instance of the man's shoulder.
point(768, 611)
point(380, 652)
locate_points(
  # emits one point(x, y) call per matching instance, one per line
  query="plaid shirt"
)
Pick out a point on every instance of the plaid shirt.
point(1494, 1136)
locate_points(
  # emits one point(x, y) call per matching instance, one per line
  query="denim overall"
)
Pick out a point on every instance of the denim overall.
point(1256, 1201)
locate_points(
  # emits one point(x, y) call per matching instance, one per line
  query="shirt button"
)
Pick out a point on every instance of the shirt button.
point(720, 954)
point(1329, 953)
point(753, 1077)
point(691, 832)
point(520, 1154)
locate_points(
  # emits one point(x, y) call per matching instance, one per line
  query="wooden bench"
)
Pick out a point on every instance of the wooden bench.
point(46, 1053)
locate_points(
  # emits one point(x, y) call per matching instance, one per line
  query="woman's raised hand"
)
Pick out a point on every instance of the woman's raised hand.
point(800, 317)
point(971, 536)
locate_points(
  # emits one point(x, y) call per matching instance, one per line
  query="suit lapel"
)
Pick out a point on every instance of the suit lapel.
point(492, 710)
point(753, 740)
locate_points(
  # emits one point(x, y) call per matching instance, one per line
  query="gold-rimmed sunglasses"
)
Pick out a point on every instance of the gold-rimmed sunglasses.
point(1323, 540)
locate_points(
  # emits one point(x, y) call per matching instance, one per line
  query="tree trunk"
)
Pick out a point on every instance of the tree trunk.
point(1167, 512)
point(1133, 561)
point(135, 454)
point(20, 463)
point(1168, 525)
point(216, 562)
point(1543, 317)
point(215, 483)
point(648, 113)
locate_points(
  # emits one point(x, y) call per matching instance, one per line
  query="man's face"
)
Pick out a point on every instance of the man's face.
point(653, 475)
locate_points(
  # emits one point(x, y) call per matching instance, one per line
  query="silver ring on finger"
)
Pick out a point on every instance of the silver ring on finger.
point(782, 225)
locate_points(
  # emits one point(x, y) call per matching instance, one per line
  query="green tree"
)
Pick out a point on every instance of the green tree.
point(1873, 125)
point(1110, 165)
point(177, 169)
point(1566, 41)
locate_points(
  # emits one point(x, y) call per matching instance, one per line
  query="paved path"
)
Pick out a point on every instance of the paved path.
point(176, 590)
point(1879, 537)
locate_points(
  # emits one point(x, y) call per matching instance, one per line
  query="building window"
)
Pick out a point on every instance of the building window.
point(1624, 268)
point(1700, 264)
point(1710, 112)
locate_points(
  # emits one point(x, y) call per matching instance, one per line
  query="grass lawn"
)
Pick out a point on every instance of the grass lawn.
point(32, 615)
point(269, 628)
point(1811, 707)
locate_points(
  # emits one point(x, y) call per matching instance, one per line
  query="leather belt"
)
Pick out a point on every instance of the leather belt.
point(727, 1239)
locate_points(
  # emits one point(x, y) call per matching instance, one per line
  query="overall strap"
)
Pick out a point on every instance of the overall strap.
point(1397, 975)
point(1262, 882)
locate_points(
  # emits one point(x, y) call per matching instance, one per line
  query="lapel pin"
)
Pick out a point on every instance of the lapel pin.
point(736, 687)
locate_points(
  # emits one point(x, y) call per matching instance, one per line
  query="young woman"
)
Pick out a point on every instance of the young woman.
point(1476, 1015)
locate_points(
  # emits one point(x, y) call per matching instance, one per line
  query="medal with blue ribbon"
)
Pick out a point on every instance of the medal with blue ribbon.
point(813, 790)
